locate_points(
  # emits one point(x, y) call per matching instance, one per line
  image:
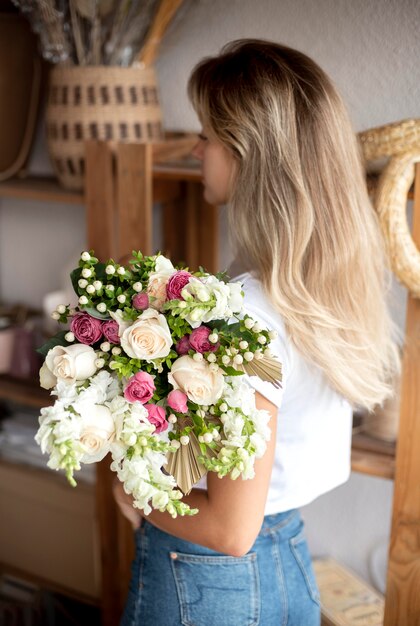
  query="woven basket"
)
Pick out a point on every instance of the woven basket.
point(116, 104)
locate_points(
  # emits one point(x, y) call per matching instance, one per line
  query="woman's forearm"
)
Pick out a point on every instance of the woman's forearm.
point(203, 528)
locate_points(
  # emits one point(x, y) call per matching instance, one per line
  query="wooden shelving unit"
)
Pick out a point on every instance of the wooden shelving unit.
point(120, 190)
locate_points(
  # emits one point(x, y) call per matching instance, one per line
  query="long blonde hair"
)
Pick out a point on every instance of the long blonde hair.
point(299, 211)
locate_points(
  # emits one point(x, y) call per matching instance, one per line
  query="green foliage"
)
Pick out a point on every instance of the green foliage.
point(57, 340)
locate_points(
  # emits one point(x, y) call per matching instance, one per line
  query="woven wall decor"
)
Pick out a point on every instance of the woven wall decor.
point(400, 141)
point(391, 203)
point(116, 104)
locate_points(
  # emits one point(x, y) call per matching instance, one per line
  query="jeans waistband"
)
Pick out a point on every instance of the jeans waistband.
point(277, 521)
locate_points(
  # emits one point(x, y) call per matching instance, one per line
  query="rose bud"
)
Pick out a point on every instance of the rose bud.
point(183, 345)
point(86, 329)
point(110, 331)
point(157, 417)
point(176, 283)
point(140, 301)
point(199, 340)
point(177, 400)
point(139, 388)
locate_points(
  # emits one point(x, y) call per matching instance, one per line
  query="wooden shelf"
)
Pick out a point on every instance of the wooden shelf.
point(47, 189)
point(39, 188)
point(372, 456)
point(26, 392)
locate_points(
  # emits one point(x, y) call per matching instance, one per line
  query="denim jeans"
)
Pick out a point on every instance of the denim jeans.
point(175, 582)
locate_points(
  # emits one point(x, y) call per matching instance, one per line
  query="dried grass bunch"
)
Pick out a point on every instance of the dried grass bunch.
point(99, 32)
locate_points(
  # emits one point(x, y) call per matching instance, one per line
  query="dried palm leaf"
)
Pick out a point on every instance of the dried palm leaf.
point(267, 368)
point(184, 465)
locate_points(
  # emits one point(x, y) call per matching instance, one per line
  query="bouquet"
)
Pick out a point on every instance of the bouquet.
point(151, 370)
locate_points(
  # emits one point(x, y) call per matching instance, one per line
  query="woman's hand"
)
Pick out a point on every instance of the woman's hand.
point(125, 504)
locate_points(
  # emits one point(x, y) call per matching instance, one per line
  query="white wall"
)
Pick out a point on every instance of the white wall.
point(370, 49)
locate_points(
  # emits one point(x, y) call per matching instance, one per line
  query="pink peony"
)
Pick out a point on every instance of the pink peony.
point(176, 284)
point(110, 330)
point(157, 417)
point(139, 388)
point(140, 301)
point(199, 340)
point(86, 329)
point(183, 345)
point(177, 400)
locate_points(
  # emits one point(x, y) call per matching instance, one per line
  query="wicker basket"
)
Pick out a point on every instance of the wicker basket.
point(116, 104)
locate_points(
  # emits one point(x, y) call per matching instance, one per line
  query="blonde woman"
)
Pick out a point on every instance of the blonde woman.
point(277, 146)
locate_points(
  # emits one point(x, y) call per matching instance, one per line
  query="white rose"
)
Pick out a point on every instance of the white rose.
point(69, 363)
point(197, 380)
point(47, 380)
point(97, 432)
point(148, 338)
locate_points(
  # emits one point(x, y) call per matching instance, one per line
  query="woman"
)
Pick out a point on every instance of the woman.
point(278, 148)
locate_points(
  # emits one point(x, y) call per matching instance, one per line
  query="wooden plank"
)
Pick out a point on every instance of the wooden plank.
point(100, 205)
point(134, 193)
point(368, 443)
point(372, 464)
point(41, 189)
point(402, 605)
point(186, 169)
point(100, 200)
point(208, 233)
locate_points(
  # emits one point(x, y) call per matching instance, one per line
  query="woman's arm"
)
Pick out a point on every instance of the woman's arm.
point(231, 511)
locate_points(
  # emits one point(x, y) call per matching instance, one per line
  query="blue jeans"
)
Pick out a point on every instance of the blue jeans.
point(175, 582)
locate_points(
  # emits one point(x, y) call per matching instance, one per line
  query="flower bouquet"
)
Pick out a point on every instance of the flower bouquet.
point(150, 369)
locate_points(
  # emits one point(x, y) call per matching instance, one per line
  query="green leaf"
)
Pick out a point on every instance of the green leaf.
point(57, 340)
point(75, 276)
point(231, 371)
point(95, 313)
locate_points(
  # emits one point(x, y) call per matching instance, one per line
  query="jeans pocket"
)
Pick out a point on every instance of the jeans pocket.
point(214, 590)
point(300, 550)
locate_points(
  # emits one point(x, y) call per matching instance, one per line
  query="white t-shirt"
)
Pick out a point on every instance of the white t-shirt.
point(314, 422)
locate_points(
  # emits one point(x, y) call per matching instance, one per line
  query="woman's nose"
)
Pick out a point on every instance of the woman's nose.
point(197, 151)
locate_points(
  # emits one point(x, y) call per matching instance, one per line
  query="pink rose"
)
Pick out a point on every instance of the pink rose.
point(177, 400)
point(157, 417)
point(140, 301)
point(199, 340)
point(86, 329)
point(110, 330)
point(176, 284)
point(139, 388)
point(183, 345)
